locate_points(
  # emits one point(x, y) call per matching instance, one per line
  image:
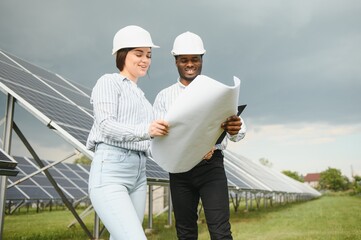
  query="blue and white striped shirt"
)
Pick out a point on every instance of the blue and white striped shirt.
point(122, 114)
point(166, 98)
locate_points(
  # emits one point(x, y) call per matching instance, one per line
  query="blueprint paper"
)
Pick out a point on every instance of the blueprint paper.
point(195, 120)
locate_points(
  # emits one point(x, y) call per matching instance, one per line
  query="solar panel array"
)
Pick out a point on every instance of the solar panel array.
point(65, 106)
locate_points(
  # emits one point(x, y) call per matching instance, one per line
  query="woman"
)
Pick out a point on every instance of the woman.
point(120, 136)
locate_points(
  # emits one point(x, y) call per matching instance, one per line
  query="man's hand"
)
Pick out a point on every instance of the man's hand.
point(232, 125)
point(209, 154)
point(158, 128)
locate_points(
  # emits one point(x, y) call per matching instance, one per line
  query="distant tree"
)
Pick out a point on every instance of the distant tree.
point(357, 179)
point(348, 184)
point(294, 175)
point(357, 184)
point(332, 179)
point(265, 162)
point(83, 160)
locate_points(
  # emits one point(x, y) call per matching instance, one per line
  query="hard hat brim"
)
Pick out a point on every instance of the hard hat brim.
point(187, 53)
point(129, 46)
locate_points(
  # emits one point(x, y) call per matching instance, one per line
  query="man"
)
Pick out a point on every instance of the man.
point(207, 180)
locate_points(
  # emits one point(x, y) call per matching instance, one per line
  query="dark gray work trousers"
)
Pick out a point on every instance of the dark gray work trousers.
point(206, 181)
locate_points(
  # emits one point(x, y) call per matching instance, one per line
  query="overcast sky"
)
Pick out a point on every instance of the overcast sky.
point(299, 62)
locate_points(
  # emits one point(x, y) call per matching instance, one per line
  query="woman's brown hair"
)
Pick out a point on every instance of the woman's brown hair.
point(120, 59)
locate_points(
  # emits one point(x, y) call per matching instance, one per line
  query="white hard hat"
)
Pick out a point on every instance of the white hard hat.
point(132, 37)
point(188, 43)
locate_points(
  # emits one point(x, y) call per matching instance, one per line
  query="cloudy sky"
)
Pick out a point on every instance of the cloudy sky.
point(299, 62)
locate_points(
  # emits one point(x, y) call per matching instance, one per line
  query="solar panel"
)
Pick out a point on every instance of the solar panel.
point(81, 170)
point(29, 189)
point(71, 182)
point(38, 187)
point(15, 194)
point(6, 161)
point(7, 165)
point(235, 178)
point(51, 77)
point(155, 173)
point(303, 187)
point(43, 93)
point(6, 60)
point(261, 174)
point(79, 99)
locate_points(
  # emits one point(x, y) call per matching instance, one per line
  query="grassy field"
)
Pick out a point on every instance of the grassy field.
point(330, 217)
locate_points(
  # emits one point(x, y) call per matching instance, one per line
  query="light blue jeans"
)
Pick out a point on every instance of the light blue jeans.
point(117, 190)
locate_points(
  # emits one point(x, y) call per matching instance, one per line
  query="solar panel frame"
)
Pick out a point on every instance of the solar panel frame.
point(7, 164)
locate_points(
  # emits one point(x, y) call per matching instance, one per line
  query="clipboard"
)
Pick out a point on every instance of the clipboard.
point(240, 110)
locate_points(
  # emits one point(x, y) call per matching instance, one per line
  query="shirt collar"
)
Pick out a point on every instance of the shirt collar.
point(181, 85)
point(133, 84)
point(123, 78)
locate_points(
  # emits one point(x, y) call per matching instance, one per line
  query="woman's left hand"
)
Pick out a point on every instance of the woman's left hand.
point(158, 128)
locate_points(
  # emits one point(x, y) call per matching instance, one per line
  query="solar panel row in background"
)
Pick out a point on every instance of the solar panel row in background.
point(264, 179)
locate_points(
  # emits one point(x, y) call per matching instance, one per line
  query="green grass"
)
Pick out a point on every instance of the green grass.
point(330, 217)
point(325, 218)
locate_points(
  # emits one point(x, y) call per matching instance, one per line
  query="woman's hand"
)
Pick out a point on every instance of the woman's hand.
point(158, 128)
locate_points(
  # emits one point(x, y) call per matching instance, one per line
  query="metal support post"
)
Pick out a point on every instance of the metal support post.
point(170, 208)
point(150, 209)
point(9, 114)
point(246, 200)
point(96, 226)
